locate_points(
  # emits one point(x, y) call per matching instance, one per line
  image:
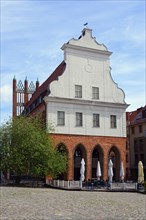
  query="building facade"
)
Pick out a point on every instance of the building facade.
point(136, 136)
point(85, 107)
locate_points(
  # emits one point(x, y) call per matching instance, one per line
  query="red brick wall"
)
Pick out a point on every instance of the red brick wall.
point(14, 99)
point(89, 142)
point(25, 92)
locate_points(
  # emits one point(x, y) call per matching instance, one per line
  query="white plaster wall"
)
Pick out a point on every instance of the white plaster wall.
point(87, 64)
point(87, 111)
point(88, 71)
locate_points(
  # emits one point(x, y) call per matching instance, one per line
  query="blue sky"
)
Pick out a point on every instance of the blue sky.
point(32, 33)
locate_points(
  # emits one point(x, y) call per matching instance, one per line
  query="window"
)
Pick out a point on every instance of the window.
point(141, 145)
point(135, 146)
point(95, 120)
point(61, 118)
point(78, 91)
point(113, 121)
point(132, 130)
point(127, 145)
point(140, 128)
point(136, 159)
point(127, 159)
point(95, 93)
point(79, 120)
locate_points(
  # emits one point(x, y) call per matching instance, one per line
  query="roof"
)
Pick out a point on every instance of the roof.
point(136, 116)
point(44, 88)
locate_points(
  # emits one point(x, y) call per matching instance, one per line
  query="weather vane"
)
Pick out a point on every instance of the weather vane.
point(86, 24)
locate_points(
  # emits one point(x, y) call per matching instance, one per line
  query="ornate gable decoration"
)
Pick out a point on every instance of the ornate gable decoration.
point(20, 87)
point(31, 88)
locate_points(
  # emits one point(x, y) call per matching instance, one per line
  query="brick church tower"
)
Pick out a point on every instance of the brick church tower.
point(22, 94)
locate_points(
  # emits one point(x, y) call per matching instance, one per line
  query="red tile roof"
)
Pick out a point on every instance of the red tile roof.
point(43, 89)
point(131, 115)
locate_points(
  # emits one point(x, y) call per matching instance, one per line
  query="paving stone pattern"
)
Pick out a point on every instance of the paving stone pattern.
point(52, 204)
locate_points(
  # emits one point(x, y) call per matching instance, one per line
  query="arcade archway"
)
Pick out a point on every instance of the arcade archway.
point(62, 149)
point(79, 153)
point(114, 155)
point(97, 155)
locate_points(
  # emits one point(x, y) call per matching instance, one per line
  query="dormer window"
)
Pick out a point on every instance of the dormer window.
point(78, 91)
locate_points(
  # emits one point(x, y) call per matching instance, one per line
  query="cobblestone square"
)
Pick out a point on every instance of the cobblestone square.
point(52, 204)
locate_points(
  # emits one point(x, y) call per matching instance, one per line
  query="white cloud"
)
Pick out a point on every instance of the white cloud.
point(6, 94)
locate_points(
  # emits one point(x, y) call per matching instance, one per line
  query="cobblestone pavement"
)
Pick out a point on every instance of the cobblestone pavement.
point(52, 204)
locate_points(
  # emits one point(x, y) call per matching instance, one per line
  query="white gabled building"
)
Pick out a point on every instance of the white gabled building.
point(85, 106)
point(86, 87)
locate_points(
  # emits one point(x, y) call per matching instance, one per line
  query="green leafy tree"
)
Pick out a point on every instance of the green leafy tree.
point(25, 148)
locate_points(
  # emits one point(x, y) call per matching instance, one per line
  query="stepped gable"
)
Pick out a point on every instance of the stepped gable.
point(44, 89)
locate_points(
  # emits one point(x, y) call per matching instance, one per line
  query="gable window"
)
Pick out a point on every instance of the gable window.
point(61, 118)
point(95, 93)
point(78, 91)
point(79, 119)
point(113, 121)
point(95, 120)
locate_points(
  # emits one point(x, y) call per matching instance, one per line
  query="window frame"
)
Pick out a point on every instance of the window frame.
point(140, 128)
point(95, 94)
point(113, 121)
point(96, 120)
point(60, 118)
point(78, 91)
point(132, 130)
point(79, 119)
